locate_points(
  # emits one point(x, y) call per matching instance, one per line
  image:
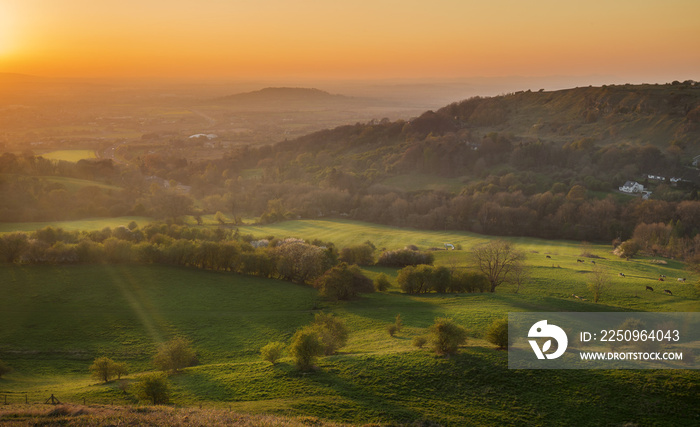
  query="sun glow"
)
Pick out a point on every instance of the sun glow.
point(6, 30)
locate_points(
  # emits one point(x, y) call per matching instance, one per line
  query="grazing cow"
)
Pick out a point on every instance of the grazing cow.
point(549, 257)
point(662, 275)
point(621, 274)
point(649, 288)
point(681, 279)
point(666, 291)
point(593, 262)
point(579, 260)
point(661, 279)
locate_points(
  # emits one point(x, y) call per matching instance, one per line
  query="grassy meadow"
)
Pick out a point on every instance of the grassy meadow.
point(57, 319)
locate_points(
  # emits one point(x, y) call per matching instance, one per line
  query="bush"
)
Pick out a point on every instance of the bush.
point(174, 355)
point(419, 341)
point(272, 352)
point(305, 348)
point(332, 332)
point(154, 387)
point(446, 336)
point(381, 283)
point(497, 333)
point(392, 329)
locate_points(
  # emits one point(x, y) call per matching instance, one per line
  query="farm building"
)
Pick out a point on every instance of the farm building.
point(632, 187)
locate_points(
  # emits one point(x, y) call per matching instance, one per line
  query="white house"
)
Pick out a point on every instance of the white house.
point(632, 187)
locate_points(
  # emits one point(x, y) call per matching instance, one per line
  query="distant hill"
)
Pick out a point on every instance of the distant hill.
point(287, 97)
point(660, 115)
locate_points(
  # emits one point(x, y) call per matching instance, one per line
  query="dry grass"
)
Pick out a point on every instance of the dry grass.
point(103, 415)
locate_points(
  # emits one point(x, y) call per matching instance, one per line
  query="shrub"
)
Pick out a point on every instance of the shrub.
point(154, 387)
point(419, 341)
point(332, 332)
point(446, 336)
point(174, 355)
point(272, 352)
point(497, 333)
point(381, 283)
point(392, 329)
point(305, 348)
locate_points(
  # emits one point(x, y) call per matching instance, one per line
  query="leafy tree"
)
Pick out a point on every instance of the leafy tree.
point(154, 387)
point(497, 333)
point(120, 369)
point(497, 260)
point(175, 355)
point(272, 352)
point(103, 369)
point(305, 347)
point(446, 336)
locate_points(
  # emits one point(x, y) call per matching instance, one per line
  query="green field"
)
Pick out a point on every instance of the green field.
point(57, 319)
point(86, 224)
point(70, 155)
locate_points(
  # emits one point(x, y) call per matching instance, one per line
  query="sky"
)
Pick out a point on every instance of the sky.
point(633, 40)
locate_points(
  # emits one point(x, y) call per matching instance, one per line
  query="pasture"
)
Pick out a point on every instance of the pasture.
point(57, 319)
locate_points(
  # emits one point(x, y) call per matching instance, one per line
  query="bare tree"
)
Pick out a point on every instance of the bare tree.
point(519, 275)
point(599, 282)
point(497, 260)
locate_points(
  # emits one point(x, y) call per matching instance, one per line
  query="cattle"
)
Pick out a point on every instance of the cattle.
point(621, 274)
point(666, 291)
point(681, 279)
point(580, 260)
point(549, 257)
point(649, 288)
point(661, 279)
point(593, 262)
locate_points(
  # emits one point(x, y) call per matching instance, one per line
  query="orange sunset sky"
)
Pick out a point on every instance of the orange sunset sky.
point(645, 40)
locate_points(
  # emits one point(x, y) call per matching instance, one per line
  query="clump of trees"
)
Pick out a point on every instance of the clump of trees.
point(325, 336)
point(426, 278)
point(105, 369)
point(405, 257)
point(343, 282)
point(358, 254)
